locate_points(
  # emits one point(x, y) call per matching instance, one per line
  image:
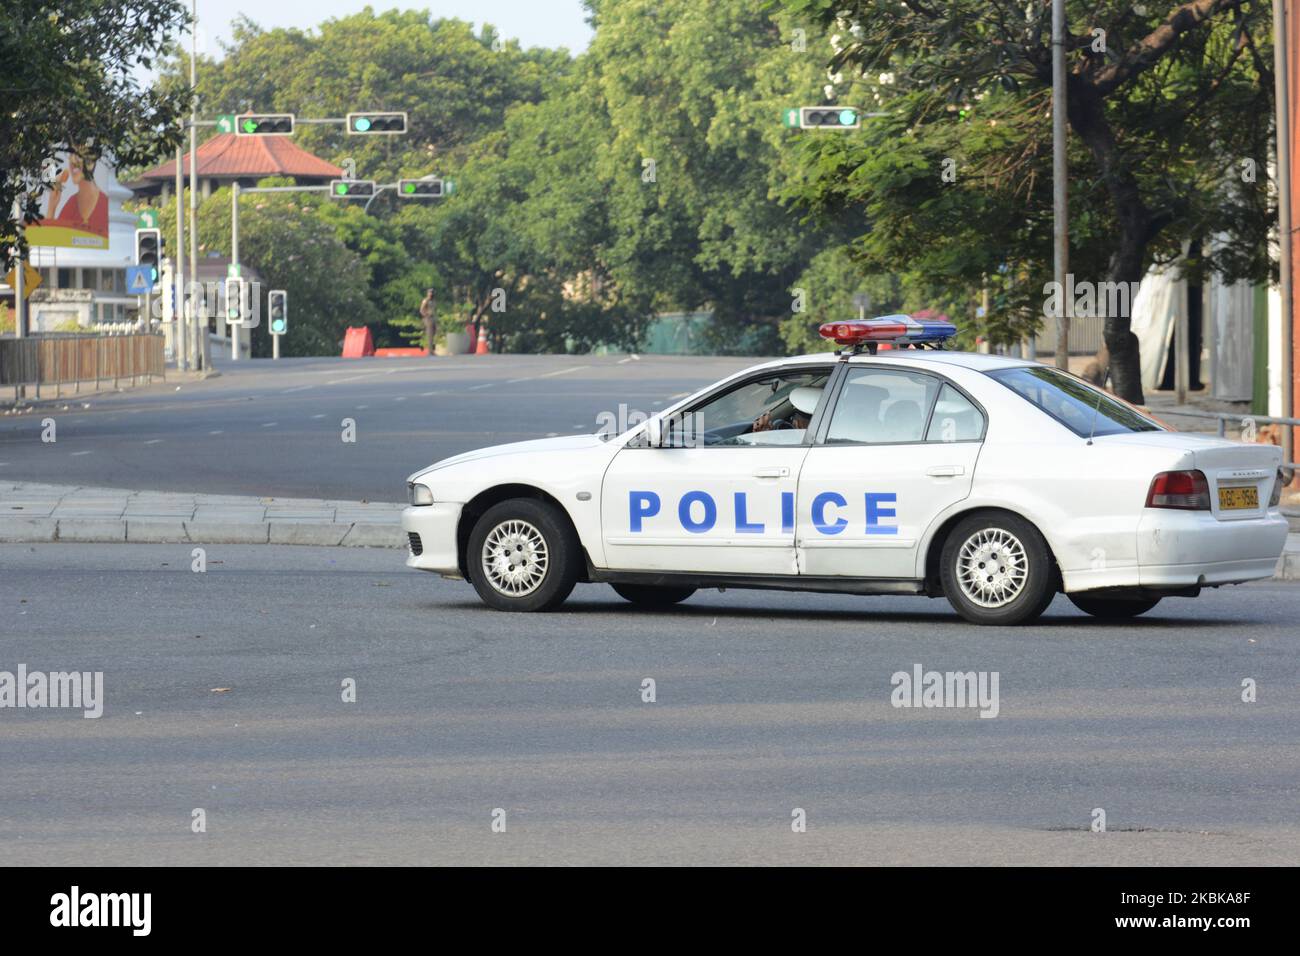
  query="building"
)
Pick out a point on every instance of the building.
point(227, 158)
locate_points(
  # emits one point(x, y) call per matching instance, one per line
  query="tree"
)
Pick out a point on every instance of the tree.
point(291, 245)
point(67, 74)
point(1164, 100)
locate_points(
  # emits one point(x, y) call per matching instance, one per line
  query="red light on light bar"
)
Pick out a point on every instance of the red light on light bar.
point(862, 330)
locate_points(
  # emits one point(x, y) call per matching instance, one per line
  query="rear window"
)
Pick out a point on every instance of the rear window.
point(1072, 402)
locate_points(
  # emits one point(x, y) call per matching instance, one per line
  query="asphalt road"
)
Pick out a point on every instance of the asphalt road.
point(765, 703)
point(274, 428)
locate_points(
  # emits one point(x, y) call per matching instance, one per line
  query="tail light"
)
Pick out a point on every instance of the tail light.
point(1187, 490)
point(1275, 498)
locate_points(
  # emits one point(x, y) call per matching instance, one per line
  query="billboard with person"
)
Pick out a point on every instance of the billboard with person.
point(74, 211)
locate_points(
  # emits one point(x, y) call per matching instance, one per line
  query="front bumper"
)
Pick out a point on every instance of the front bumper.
point(434, 527)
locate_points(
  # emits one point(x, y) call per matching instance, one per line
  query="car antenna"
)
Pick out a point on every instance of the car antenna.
point(1095, 412)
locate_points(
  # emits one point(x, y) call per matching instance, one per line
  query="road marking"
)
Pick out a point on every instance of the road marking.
point(75, 453)
point(269, 424)
point(300, 388)
point(215, 431)
point(400, 398)
point(321, 415)
point(154, 441)
point(359, 407)
point(561, 371)
point(475, 388)
point(428, 394)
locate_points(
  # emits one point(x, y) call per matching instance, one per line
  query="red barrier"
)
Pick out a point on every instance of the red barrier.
point(358, 343)
point(399, 352)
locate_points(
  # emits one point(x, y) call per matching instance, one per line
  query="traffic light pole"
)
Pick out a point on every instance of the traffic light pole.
point(180, 316)
point(234, 328)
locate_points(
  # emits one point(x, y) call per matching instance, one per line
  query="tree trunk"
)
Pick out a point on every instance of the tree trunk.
point(1136, 227)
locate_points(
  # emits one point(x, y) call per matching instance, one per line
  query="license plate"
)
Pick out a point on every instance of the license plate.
point(1238, 499)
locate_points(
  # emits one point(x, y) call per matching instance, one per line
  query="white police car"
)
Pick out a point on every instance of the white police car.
point(995, 482)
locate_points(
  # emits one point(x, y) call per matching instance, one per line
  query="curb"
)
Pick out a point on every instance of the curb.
point(137, 531)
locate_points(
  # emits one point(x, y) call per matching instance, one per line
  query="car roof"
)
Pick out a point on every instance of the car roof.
point(974, 360)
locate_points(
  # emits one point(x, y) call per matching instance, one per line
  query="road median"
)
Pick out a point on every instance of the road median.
point(32, 512)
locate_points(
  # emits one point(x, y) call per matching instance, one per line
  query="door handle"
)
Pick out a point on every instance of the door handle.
point(945, 471)
point(781, 472)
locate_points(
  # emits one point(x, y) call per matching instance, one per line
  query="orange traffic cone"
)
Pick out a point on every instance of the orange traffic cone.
point(482, 348)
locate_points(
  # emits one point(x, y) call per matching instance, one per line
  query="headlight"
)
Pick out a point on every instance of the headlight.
point(418, 494)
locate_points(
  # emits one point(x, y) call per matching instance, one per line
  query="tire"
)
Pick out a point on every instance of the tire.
point(653, 596)
point(1112, 609)
point(1017, 591)
point(523, 555)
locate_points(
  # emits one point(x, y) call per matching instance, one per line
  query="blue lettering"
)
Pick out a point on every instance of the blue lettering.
point(743, 526)
point(787, 512)
point(710, 512)
point(875, 512)
point(819, 512)
point(642, 504)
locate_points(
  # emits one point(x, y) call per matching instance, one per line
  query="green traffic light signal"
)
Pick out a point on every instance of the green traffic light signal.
point(361, 124)
point(341, 189)
point(848, 117)
point(409, 188)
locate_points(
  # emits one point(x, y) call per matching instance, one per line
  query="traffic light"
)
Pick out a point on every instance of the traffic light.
point(352, 188)
point(376, 124)
point(235, 311)
point(264, 124)
point(277, 304)
point(419, 188)
point(829, 117)
point(148, 251)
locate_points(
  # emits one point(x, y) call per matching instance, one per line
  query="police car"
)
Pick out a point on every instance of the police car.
point(994, 482)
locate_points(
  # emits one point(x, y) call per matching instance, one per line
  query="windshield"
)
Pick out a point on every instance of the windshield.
point(1072, 402)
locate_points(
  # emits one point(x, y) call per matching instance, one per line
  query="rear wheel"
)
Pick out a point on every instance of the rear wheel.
point(1112, 609)
point(996, 569)
point(648, 595)
point(523, 555)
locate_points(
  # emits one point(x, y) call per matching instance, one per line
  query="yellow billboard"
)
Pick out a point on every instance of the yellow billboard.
point(74, 211)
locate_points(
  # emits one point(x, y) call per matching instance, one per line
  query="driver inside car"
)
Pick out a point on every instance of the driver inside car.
point(804, 400)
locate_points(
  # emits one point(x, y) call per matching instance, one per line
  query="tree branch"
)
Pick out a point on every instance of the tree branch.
point(1143, 54)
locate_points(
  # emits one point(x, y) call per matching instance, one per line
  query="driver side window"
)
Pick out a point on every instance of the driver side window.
point(757, 412)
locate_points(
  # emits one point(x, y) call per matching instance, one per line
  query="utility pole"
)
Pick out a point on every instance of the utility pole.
point(180, 315)
point(1283, 128)
point(234, 261)
point(1060, 190)
point(200, 328)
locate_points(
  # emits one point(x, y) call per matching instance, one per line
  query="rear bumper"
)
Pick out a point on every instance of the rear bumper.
point(1177, 550)
point(1187, 548)
point(435, 525)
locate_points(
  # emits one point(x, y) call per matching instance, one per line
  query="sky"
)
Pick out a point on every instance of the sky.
point(548, 23)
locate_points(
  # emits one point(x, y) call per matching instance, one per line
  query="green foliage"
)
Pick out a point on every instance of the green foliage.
point(67, 72)
point(1166, 103)
point(292, 244)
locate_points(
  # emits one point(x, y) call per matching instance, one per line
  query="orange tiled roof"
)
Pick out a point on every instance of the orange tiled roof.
point(227, 155)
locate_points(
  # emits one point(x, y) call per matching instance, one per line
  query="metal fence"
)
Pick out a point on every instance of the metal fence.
point(74, 360)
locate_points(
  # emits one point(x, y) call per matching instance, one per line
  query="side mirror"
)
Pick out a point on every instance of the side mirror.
point(655, 432)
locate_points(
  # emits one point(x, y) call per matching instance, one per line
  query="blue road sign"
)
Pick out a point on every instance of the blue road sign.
point(139, 279)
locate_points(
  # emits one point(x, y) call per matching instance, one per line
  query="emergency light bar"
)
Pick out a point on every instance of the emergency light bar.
point(896, 329)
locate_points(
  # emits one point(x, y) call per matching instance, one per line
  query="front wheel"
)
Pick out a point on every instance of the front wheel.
point(996, 569)
point(523, 556)
point(1112, 609)
point(647, 595)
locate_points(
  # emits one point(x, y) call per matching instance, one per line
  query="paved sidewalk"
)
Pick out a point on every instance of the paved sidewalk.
point(32, 512)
